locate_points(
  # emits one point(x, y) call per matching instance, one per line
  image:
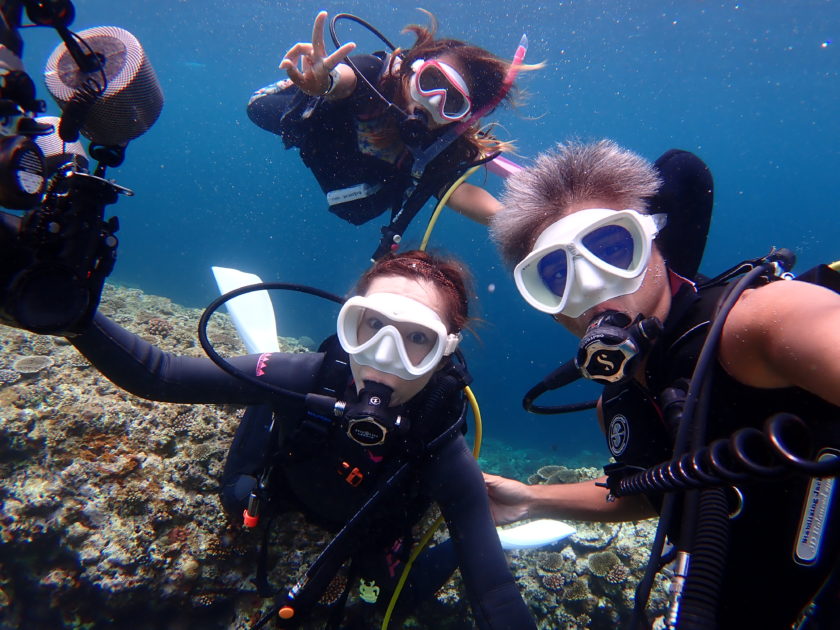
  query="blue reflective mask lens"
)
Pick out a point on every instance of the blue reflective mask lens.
point(611, 243)
point(554, 269)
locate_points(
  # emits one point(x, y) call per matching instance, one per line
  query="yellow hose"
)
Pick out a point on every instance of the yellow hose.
point(441, 203)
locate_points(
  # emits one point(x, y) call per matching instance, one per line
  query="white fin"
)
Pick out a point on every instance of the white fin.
point(252, 313)
point(534, 534)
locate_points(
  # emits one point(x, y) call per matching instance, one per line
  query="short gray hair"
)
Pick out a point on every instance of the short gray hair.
point(573, 172)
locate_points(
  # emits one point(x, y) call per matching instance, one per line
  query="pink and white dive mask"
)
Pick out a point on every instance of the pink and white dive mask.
point(441, 90)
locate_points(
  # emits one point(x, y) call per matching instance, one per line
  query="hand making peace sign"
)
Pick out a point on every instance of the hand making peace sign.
point(313, 77)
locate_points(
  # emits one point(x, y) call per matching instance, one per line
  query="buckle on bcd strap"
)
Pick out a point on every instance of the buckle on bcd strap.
point(352, 476)
point(390, 242)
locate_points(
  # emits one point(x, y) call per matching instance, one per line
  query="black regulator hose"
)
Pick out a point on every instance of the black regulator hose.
point(699, 604)
point(692, 431)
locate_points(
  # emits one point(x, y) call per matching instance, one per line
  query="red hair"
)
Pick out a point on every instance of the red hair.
point(449, 277)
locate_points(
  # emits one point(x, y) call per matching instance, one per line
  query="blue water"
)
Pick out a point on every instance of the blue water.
point(752, 87)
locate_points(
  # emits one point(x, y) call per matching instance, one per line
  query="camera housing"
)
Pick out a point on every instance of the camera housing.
point(56, 253)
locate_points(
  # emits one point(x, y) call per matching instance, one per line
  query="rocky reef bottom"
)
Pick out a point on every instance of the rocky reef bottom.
point(110, 516)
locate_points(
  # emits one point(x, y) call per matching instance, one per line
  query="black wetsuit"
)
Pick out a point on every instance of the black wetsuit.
point(762, 586)
point(449, 476)
point(335, 138)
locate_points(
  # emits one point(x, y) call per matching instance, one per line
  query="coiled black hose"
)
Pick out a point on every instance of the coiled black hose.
point(747, 455)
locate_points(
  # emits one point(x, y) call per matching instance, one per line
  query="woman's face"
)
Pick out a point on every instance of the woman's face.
point(417, 339)
point(413, 106)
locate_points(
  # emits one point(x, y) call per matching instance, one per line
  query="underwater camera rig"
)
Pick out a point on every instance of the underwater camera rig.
point(57, 250)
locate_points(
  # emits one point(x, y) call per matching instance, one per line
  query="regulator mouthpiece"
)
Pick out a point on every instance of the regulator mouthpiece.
point(614, 345)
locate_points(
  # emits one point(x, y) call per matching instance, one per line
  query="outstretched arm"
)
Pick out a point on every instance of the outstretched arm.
point(785, 334)
point(512, 501)
point(474, 203)
point(146, 371)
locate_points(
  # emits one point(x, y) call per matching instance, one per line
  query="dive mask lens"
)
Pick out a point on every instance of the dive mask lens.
point(417, 341)
point(554, 269)
point(614, 244)
point(431, 79)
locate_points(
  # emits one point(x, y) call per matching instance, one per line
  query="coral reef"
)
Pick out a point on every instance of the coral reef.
point(110, 516)
point(587, 581)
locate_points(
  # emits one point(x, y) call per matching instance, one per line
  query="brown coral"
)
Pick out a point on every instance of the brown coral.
point(546, 471)
point(7, 377)
point(551, 561)
point(32, 364)
point(618, 574)
point(577, 590)
point(334, 590)
point(602, 562)
point(564, 475)
point(42, 345)
point(159, 326)
point(554, 582)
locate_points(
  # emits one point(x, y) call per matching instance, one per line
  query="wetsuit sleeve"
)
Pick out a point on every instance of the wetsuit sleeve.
point(455, 482)
point(371, 68)
point(148, 372)
point(267, 105)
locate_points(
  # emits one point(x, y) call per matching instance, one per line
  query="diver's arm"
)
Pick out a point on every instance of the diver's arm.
point(455, 482)
point(313, 76)
point(474, 203)
point(512, 501)
point(785, 334)
point(146, 371)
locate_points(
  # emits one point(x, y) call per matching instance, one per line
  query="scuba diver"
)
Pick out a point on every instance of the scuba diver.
point(720, 400)
point(361, 437)
point(390, 130)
